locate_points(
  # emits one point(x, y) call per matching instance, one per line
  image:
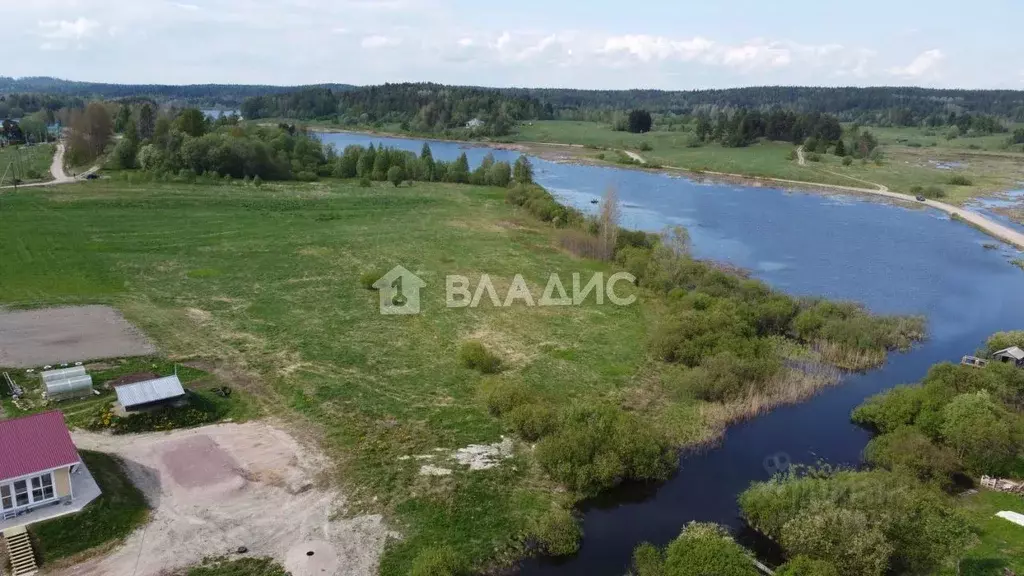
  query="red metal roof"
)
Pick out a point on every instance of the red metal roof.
point(35, 443)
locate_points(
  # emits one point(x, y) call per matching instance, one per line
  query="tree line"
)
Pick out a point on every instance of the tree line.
point(425, 108)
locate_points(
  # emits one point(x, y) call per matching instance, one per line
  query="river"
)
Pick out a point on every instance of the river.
point(892, 258)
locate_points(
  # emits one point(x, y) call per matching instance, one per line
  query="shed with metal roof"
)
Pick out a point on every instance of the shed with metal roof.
point(150, 393)
point(1011, 355)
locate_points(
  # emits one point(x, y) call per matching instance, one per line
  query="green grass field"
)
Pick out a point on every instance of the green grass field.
point(108, 519)
point(267, 279)
point(1001, 542)
point(27, 163)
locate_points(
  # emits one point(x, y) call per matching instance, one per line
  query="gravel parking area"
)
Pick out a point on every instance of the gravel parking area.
point(31, 338)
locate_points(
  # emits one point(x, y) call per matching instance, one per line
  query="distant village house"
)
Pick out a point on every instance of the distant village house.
point(475, 123)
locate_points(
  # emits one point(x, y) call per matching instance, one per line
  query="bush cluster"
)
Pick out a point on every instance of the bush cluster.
point(542, 205)
point(700, 549)
point(869, 523)
point(959, 418)
point(476, 356)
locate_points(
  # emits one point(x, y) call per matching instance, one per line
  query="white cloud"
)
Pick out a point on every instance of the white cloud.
point(189, 7)
point(465, 42)
point(341, 31)
point(68, 29)
point(756, 54)
point(924, 65)
point(647, 48)
point(377, 41)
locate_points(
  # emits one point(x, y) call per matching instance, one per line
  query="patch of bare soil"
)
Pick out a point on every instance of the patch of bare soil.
point(219, 487)
point(30, 338)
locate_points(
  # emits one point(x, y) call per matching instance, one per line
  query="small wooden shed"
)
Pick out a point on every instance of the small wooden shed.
point(1012, 355)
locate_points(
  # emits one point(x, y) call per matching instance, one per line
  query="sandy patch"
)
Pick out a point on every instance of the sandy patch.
point(484, 456)
point(219, 487)
point(31, 338)
point(198, 316)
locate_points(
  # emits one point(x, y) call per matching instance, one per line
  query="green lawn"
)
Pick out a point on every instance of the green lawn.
point(27, 163)
point(1001, 542)
point(110, 518)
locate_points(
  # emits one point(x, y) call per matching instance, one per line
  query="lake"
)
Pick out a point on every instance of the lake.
point(892, 258)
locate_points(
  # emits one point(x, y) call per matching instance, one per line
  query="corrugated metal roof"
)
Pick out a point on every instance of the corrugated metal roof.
point(1012, 351)
point(148, 391)
point(35, 443)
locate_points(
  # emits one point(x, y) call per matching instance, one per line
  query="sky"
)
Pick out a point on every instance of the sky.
point(664, 44)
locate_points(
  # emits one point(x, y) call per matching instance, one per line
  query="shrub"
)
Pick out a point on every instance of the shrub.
point(531, 421)
point(1002, 340)
point(474, 355)
point(909, 450)
point(257, 181)
point(396, 175)
point(557, 533)
point(646, 147)
point(648, 560)
point(933, 192)
point(365, 182)
point(847, 160)
point(439, 561)
point(704, 549)
point(959, 180)
point(889, 411)
point(502, 397)
point(368, 279)
point(814, 157)
point(804, 566)
point(597, 447)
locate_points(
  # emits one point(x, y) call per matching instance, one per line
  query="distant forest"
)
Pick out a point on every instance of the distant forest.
point(434, 107)
point(226, 95)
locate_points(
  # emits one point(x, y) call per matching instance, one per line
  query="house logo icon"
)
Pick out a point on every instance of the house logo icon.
point(399, 292)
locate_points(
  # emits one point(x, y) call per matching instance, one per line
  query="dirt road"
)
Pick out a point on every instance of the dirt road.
point(636, 157)
point(57, 171)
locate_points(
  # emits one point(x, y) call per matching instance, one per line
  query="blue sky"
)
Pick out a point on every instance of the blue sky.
point(595, 44)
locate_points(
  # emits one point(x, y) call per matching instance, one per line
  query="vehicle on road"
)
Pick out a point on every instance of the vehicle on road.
point(91, 176)
point(920, 198)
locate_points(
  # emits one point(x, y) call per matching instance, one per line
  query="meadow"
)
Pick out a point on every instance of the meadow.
point(268, 281)
point(27, 163)
point(910, 157)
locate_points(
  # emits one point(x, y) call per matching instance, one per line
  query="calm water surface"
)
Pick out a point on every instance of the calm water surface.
point(894, 259)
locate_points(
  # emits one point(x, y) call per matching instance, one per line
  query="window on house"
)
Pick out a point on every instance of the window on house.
point(29, 491)
point(6, 497)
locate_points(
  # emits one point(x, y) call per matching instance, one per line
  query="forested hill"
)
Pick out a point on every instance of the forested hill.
point(420, 107)
point(901, 105)
point(230, 95)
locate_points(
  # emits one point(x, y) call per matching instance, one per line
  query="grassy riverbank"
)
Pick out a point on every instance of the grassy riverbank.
point(267, 279)
point(911, 157)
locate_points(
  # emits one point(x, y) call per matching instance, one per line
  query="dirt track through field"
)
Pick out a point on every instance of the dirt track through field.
point(32, 338)
point(216, 488)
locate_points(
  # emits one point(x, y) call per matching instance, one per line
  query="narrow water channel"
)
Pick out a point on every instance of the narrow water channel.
point(893, 259)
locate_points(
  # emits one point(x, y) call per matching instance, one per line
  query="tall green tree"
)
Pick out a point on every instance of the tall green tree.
point(192, 121)
point(427, 159)
point(522, 172)
point(147, 121)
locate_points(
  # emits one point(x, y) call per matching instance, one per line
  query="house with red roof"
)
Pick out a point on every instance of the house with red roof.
point(41, 474)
